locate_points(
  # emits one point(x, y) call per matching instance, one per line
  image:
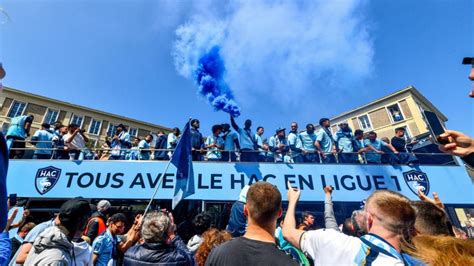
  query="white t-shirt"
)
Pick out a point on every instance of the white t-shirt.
point(77, 142)
point(330, 247)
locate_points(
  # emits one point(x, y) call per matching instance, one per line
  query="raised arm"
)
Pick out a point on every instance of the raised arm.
point(329, 217)
point(290, 233)
point(234, 125)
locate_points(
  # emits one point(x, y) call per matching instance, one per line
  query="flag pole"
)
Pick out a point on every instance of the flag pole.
point(157, 186)
point(161, 181)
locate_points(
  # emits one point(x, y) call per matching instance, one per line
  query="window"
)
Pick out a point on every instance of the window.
point(133, 132)
point(364, 122)
point(111, 130)
point(95, 127)
point(407, 135)
point(51, 116)
point(395, 113)
point(75, 119)
point(16, 109)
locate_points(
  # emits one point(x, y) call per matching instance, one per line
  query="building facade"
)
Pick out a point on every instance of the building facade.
point(97, 124)
point(403, 108)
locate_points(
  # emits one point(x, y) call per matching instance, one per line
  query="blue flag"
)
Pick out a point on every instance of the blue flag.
point(182, 159)
point(3, 182)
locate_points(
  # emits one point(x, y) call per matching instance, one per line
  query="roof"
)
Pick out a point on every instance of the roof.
point(410, 89)
point(118, 117)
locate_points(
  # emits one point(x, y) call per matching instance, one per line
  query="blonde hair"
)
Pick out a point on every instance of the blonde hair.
point(394, 211)
point(441, 250)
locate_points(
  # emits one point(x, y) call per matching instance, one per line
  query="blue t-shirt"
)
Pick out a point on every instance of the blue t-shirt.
point(45, 141)
point(371, 155)
point(344, 141)
point(144, 155)
point(17, 127)
point(324, 140)
point(259, 141)
point(246, 139)
point(307, 140)
point(294, 139)
point(119, 147)
point(105, 246)
point(229, 142)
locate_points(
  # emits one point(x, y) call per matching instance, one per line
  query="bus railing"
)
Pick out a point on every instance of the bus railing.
point(54, 152)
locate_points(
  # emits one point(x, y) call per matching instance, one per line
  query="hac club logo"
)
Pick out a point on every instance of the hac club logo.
point(417, 180)
point(46, 178)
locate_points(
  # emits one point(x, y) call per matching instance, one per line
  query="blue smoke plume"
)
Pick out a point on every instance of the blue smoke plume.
point(209, 77)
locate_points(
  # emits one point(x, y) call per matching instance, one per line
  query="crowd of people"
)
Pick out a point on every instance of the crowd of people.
point(227, 143)
point(388, 230)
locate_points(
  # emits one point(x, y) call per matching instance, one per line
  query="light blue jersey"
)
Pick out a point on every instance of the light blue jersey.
point(294, 139)
point(171, 141)
point(246, 139)
point(44, 140)
point(105, 246)
point(118, 147)
point(259, 140)
point(371, 155)
point(325, 141)
point(307, 141)
point(229, 142)
point(273, 143)
point(17, 127)
point(144, 145)
point(344, 141)
point(214, 153)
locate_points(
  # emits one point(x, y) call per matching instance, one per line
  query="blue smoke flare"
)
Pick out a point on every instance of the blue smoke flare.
point(209, 77)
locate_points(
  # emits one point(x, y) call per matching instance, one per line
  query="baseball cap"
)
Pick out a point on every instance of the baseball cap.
point(280, 129)
point(72, 212)
point(468, 60)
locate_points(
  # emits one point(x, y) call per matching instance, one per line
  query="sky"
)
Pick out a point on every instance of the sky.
point(285, 60)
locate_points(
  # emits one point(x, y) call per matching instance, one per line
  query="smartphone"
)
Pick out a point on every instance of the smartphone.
point(435, 127)
point(12, 198)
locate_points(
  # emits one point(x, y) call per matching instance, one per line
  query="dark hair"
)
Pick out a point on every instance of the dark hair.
point(118, 217)
point(122, 126)
point(46, 125)
point(372, 133)
point(306, 214)
point(400, 129)
point(358, 132)
point(225, 127)
point(57, 125)
point(194, 121)
point(309, 125)
point(263, 202)
point(72, 126)
point(149, 135)
point(201, 223)
point(258, 128)
point(322, 120)
point(348, 227)
point(26, 227)
point(216, 127)
point(430, 220)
